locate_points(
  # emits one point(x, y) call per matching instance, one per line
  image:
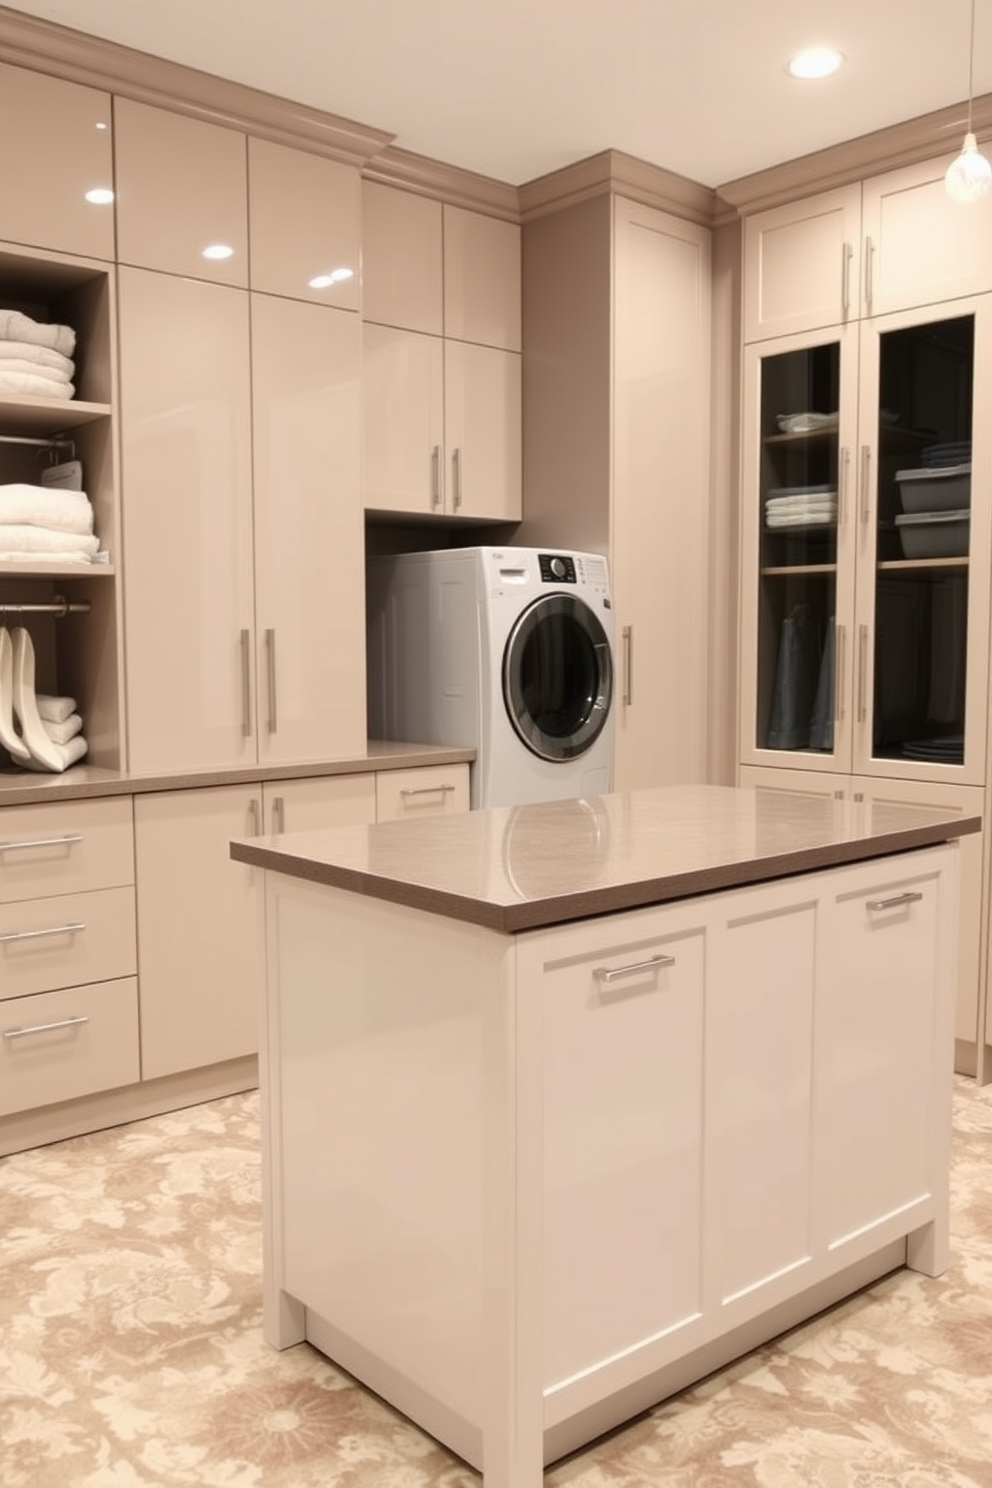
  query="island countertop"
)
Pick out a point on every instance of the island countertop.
point(527, 867)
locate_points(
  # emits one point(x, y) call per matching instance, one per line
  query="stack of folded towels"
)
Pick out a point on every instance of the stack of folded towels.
point(63, 725)
point(801, 506)
point(35, 358)
point(46, 524)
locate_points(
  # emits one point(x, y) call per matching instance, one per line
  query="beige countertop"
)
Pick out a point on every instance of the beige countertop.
point(519, 868)
point(26, 788)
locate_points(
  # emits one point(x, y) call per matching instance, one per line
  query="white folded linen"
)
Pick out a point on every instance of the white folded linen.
point(20, 555)
point(20, 538)
point(804, 519)
point(800, 500)
point(21, 367)
point(52, 709)
point(38, 356)
point(61, 733)
point(35, 385)
point(46, 506)
point(16, 326)
point(58, 757)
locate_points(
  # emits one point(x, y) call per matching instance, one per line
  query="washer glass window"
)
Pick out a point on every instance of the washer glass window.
point(558, 677)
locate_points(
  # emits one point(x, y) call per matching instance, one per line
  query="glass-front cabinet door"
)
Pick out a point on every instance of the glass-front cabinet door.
point(924, 545)
point(800, 422)
point(866, 547)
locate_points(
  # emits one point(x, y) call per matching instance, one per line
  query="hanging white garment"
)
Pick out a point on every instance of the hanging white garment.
point(45, 753)
point(9, 737)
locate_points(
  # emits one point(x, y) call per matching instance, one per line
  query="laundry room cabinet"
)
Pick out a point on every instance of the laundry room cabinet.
point(442, 432)
point(60, 148)
point(233, 654)
point(893, 242)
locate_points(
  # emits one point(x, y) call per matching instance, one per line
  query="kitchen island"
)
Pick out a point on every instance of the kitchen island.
point(566, 1105)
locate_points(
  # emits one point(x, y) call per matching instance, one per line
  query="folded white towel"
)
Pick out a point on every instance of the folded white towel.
point(38, 356)
point(20, 366)
point(35, 385)
point(53, 709)
point(15, 326)
point(20, 555)
point(20, 538)
point(59, 757)
point(46, 506)
point(61, 733)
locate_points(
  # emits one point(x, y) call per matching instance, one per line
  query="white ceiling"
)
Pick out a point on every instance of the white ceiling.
point(516, 88)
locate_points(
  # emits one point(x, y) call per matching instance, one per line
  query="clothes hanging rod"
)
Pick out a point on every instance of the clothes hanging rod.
point(57, 605)
point(48, 441)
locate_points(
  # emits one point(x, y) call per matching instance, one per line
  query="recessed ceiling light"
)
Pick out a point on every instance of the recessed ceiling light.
point(815, 62)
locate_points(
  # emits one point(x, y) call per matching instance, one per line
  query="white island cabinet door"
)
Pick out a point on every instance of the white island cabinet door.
point(623, 1111)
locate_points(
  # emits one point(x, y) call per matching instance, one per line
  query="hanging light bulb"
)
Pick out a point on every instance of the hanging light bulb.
point(970, 175)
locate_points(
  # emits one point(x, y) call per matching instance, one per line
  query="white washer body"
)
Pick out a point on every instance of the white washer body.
point(507, 651)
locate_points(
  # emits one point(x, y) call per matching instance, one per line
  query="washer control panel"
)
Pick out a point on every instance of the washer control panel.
point(557, 568)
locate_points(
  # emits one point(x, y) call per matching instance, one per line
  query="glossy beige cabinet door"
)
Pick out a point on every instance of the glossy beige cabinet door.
point(59, 147)
point(325, 801)
point(660, 502)
point(308, 530)
point(920, 246)
point(802, 265)
point(402, 280)
point(199, 965)
point(186, 456)
point(402, 420)
point(483, 432)
point(482, 297)
point(305, 227)
point(182, 194)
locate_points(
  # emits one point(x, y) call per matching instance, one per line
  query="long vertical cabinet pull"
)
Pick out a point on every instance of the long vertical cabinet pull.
point(627, 635)
point(279, 815)
point(436, 492)
point(869, 272)
point(456, 478)
point(863, 482)
point(840, 650)
point(843, 482)
point(246, 684)
point(254, 818)
point(270, 668)
point(862, 672)
point(846, 254)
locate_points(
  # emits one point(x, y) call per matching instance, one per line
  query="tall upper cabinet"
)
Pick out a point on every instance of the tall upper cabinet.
point(866, 537)
point(442, 359)
point(56, 270)
point(240, 447)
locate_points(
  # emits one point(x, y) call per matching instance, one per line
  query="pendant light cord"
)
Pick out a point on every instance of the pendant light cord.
point(971, 64)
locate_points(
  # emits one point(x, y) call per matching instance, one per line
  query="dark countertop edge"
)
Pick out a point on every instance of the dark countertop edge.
point(81, 782)
point(541, 914)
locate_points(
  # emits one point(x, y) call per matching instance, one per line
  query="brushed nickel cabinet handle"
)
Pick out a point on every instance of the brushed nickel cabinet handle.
point(896, 902)
point(426, 790)
point(246, 684)
point(869, 272)
point(846, 254)
point(627, 635)
point(270, 667)
point(436, 491)
point(843, 483)
point(862, 672)
point(253, 818)
point(19, 846)
point(19, 1033)
point(607, 975)
point(279, 815)
point(864, 480)
point(840, 638)
point(456, 478)
point(69, 929)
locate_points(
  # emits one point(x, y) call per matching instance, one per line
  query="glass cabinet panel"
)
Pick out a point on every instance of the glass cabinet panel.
point(916, 706)
point(797, 549)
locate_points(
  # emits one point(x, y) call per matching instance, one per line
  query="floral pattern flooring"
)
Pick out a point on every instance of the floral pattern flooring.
point(131, 1353)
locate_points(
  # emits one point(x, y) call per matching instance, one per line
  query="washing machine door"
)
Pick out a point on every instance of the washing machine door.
point(558, 677)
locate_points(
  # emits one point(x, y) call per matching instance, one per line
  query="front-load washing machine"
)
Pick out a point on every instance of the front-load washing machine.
point(507, 651)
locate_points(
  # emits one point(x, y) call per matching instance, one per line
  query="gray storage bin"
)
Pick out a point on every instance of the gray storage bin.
point(934, 534)
point(943, 488)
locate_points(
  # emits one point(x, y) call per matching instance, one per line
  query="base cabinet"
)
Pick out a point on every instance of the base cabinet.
point(639, 1139)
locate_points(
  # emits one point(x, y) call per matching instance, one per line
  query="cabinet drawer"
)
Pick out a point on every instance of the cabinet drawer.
point(430, 791)
point(65, 848)
point(66, 941)
point(57, 1046)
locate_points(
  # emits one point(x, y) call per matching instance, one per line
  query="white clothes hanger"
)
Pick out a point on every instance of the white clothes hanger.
point(43, 752)
point(9, 737)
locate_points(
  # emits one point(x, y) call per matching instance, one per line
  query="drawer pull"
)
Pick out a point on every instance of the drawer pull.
point(896, 902)
point(607, 974)
point(72, 929)
point(16, 1033)
point(66, 841)
point(426, 790)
